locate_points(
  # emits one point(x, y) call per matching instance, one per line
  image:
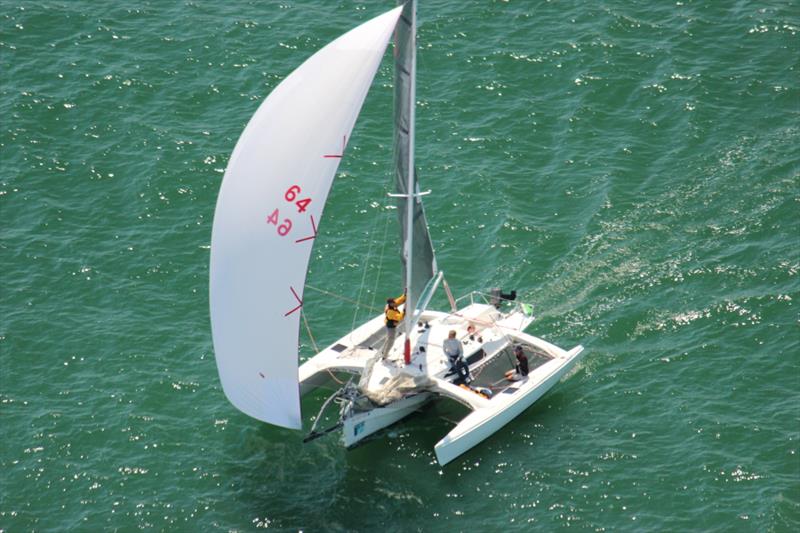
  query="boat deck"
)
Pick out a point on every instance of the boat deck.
point(491, 375)
point(482, 329)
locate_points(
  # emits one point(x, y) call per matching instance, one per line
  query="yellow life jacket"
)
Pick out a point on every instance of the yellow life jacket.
point(393, 316)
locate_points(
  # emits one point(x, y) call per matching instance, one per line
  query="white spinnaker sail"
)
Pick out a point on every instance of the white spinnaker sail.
point(269, 206)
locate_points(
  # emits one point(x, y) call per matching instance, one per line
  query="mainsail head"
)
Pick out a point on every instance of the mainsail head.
point(269, 206)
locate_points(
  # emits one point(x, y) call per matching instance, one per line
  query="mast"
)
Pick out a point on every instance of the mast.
point(410, 181)
point(416, 249)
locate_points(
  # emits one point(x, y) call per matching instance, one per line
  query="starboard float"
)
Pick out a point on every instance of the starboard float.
point(270, 205)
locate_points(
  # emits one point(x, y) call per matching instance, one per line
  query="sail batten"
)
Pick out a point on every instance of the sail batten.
point(268, 210)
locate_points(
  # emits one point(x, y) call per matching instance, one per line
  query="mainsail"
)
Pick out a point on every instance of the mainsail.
point(269, 206)
point(419, 262)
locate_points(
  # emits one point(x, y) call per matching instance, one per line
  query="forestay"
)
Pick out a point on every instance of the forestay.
point(269, 206)
point(417, 241)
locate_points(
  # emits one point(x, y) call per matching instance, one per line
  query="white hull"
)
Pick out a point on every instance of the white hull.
point(486, 421)
point(486, 346)
point(358, 426)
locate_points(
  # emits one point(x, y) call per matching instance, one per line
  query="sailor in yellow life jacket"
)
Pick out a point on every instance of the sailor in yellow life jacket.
point(393, 316)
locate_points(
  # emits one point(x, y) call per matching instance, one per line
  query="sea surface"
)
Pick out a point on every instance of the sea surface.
point(631, 168)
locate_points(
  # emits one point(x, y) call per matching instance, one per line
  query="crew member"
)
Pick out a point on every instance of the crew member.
point(452, 348)
point(393, 316)
point(521, 369)
point(455, 355)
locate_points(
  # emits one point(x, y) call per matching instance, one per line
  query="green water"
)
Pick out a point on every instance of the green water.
point(631, 168)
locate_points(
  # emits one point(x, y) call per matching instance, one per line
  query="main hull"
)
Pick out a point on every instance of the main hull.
point(360, 425)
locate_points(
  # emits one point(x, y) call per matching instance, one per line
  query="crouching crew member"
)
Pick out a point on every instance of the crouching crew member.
point(521, 369)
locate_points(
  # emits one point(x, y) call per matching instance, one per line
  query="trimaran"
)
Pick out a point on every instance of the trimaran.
point(269, 207)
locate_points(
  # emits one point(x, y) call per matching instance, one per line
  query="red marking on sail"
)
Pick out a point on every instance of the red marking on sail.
point(339, 156)
point(407, 351)
point(314, 227)
point(299, 301)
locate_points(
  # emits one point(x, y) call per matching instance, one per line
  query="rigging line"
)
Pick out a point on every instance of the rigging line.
point(508, 339)
point(380, 261)
point(308, 329)
point(316, 348)
point(506, 336)
point(325, 405)
point(333, 376)
point(387, 215)
point(495, 325)
point(388, 185)
point(366, 267)
point(483, 322)
point(340, 297)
